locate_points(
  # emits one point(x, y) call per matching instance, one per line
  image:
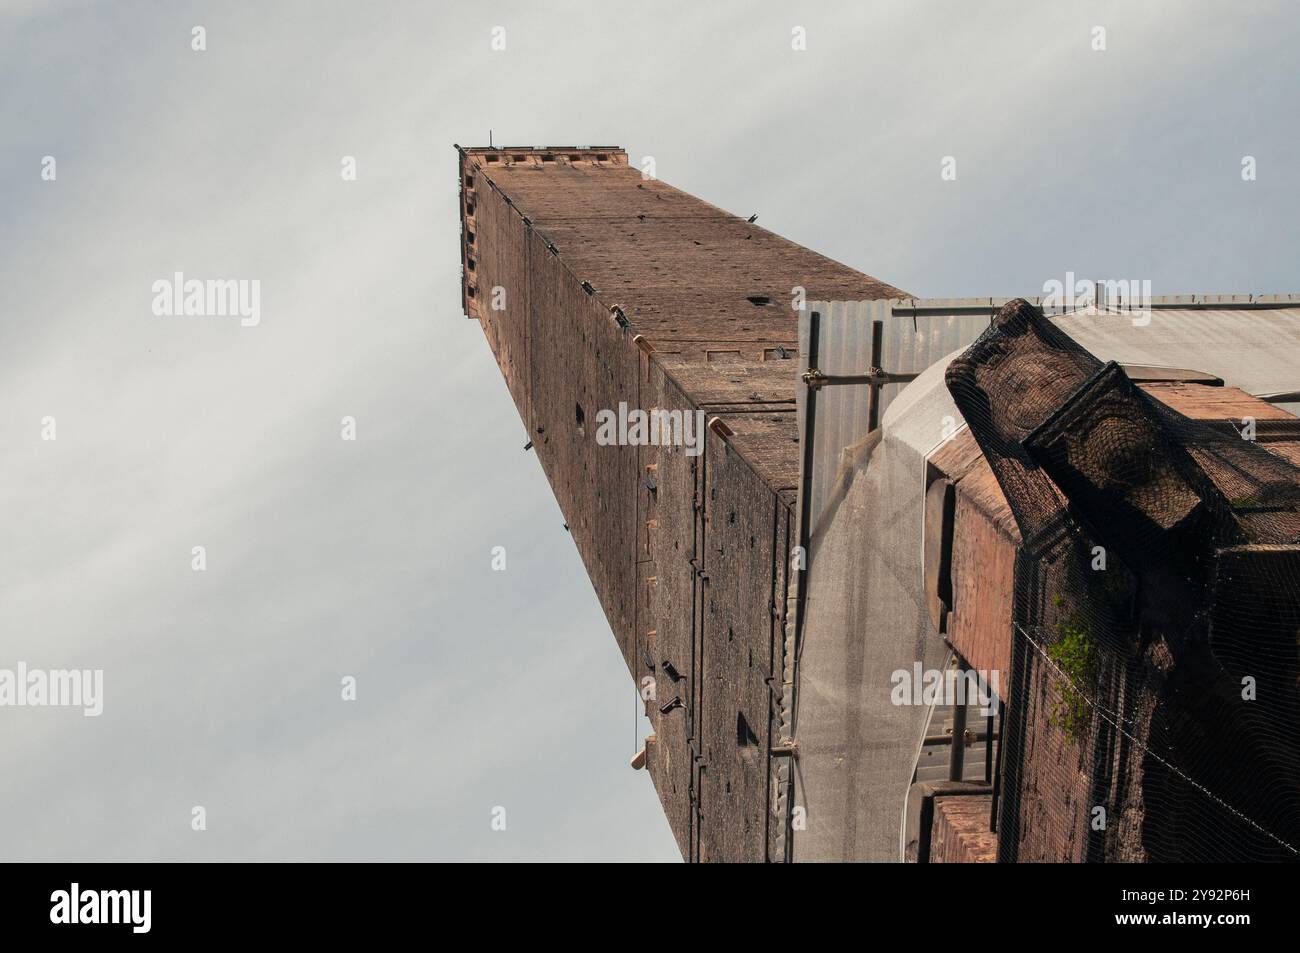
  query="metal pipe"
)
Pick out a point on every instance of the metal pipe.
point(957, 756)
point(801, 590)
point(876, 377)
point(941, 741)
point(997, 772)
point(805, 480)
point(988, 748)
point(978, 306)
point(873, 398)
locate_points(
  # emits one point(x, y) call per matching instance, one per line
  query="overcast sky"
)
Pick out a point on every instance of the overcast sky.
point(371, 558)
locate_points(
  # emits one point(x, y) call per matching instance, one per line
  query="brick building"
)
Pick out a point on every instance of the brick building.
point(616, 288)
point(597, 288)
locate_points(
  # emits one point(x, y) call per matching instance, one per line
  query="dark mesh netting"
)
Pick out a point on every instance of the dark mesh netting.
point(1155, 684)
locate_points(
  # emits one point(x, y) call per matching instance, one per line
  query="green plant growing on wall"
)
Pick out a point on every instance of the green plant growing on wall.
point(1074, 653)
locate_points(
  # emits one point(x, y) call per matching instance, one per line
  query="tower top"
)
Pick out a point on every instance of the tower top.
point(546, 156)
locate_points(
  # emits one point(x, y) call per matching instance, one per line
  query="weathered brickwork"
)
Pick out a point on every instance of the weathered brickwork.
point(596, 286)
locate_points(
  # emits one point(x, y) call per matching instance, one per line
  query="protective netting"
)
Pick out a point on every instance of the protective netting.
point(1155, 683)
point(866, 618)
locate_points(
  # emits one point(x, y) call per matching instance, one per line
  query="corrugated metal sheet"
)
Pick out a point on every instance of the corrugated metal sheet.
point(1256, 349)
point(911, 341)
point(1251, 341)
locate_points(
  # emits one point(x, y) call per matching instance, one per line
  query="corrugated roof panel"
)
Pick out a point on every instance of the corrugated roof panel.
point(1256, 349)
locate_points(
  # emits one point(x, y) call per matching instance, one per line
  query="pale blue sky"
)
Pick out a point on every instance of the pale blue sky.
point(372, 559)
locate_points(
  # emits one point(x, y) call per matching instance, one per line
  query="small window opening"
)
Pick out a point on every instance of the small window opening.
point(745, 737)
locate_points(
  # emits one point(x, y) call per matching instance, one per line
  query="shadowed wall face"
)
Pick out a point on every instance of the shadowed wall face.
point(1135, 664)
